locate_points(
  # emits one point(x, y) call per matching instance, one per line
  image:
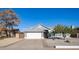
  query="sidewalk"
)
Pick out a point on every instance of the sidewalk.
point(8, 41)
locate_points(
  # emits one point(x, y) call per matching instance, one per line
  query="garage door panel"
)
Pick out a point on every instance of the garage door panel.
point(33, 35)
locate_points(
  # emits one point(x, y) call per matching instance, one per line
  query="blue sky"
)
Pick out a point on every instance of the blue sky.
point(46, 16)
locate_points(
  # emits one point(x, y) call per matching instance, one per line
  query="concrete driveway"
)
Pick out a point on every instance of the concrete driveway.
point(25, 44)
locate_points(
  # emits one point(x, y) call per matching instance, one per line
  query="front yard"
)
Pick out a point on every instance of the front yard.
point(8, 41)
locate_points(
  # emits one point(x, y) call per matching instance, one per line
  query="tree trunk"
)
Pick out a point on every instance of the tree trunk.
point(6, 33)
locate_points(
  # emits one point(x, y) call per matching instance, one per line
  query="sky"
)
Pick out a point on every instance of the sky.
point(46, 16)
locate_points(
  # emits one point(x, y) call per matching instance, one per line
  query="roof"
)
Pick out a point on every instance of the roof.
point(3, 29)
point(38, 28)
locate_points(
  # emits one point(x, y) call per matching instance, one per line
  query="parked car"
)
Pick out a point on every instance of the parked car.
point(55, 37)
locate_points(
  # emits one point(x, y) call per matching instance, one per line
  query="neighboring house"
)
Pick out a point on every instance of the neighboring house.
point(37, 32)
point(3, 32)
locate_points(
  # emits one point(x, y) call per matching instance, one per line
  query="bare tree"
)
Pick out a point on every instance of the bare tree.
point(9, 19)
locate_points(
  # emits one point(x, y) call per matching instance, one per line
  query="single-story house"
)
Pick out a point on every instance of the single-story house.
point(37, 32)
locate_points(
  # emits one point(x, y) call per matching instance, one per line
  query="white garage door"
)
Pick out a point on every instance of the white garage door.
point(33, 35)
